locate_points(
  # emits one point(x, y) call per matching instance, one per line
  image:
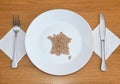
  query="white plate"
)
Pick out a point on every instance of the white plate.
point(53, 22)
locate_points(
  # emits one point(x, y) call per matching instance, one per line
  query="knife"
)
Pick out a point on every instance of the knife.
point(102, 32)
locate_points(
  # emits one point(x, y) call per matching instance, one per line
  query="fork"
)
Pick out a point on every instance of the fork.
point(16, 29)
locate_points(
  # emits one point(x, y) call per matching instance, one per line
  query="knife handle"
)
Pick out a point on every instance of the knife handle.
point(103, 65)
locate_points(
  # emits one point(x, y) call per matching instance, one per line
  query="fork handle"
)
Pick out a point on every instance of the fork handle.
point(103, 65)
point(14, 61)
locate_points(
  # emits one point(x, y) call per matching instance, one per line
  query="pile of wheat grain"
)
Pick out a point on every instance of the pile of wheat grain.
point(60, 44)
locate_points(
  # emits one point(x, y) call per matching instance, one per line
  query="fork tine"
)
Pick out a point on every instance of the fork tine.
point(18, 21)
point(13, 20)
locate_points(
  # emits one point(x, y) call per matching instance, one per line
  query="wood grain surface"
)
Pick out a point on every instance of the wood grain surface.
point(27, 73)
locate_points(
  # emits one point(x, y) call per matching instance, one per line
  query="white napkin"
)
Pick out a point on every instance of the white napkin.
point(111, 42)
point(7, 44)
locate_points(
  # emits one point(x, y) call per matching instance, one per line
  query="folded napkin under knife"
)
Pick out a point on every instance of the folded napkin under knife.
point(111, 42)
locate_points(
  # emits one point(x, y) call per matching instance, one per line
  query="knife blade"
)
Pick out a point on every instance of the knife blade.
point(102, 39)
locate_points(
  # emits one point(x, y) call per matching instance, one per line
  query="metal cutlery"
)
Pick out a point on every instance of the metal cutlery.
point(16, 29)
point(102, 33)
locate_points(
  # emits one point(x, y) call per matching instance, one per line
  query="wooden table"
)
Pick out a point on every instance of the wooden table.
point(27, 73)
